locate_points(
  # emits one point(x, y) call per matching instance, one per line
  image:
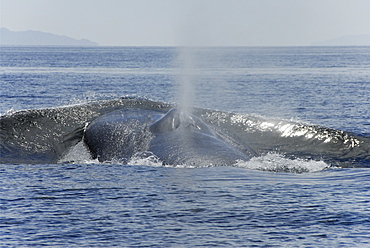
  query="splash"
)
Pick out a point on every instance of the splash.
point(275, 162)
point(272, 162)
point(145, 158)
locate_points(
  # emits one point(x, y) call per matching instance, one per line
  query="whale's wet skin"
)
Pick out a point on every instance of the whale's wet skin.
point(126, 128)
point(304, 111)
point(175, 138)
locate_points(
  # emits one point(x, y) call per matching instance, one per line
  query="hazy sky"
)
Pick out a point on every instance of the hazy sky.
point(191, 22)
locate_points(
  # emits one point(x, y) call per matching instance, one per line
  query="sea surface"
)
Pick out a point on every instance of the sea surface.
point(273, 200)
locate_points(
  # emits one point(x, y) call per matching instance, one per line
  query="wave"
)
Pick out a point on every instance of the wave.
point(51, 135)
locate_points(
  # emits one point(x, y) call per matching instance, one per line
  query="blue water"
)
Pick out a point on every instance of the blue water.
point(87, 204)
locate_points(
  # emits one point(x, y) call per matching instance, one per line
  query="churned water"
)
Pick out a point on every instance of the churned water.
point(273, 200)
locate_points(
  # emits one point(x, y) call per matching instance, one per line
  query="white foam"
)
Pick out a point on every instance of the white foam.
point(273, 162)
point(278, 163)
point(149, 159)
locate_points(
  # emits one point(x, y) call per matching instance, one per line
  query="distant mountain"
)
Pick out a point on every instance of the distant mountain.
point(37, 38)
point(349, 40)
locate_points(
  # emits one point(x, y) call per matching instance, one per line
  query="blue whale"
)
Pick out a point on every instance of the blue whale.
point(175, 138)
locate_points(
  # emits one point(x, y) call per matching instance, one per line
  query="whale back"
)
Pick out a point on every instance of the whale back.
point(176, 138)
point(169, 122)
point(182, 139)
point(175, 119)
point(118, 135)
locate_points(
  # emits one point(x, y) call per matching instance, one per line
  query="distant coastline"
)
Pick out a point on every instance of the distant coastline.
point(37, 38)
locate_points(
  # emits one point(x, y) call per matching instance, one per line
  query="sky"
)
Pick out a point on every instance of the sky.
point(191, 22)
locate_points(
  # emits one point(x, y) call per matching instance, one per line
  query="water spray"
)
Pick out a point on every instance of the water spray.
point(186, 79)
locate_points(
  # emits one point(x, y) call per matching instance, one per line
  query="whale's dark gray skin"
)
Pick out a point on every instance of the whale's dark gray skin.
point(175, 138)
point(120, 128)
point(181, 138)
point(120, 134)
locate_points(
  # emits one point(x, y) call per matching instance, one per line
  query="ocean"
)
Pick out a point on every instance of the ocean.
point(304, 111)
